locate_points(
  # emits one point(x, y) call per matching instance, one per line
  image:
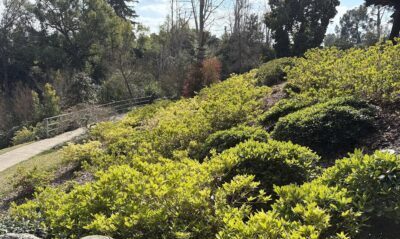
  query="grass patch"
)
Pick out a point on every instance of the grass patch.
point(6, 150)
point(48, 161)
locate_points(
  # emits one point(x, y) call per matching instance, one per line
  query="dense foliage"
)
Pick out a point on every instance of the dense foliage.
point(186, 124)
point(283, 108)
point(203, 167)
point(334, 126)
point(272, 163)
point(371, 74)
point(225, 139)
point(273, 72)
point(300, 25)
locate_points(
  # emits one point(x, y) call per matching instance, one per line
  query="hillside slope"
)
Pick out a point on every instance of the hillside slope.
point(230, 164)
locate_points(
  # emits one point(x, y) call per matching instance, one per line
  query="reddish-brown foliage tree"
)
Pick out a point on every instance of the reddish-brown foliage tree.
point(211, 71)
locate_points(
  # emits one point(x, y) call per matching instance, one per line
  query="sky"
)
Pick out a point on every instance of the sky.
point(152, 13)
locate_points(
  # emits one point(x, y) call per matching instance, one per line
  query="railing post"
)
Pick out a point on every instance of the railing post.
point(46, 123)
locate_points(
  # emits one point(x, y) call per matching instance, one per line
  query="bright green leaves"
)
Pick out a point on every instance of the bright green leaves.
point(371, 74)
point(371, 180)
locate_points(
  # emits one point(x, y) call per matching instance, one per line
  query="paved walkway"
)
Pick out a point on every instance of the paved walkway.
point(26, 152)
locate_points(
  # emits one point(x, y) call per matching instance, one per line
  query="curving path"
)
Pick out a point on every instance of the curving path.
point(26, 152)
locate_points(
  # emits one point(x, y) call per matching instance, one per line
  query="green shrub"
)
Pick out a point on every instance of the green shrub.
point(172, 199)
point(273, 72)
point(371, 180)
point(139, 116)
point(283, 108)
point(225, 139)
point(10, 225)
point(308, 211)
point(24, 135)
point(29, 134)
point(273, 163)
point(368, 73)
point(28, 181)
point(318, 205)
point(83, 154)
point(187, 123)
point(50, 102)
point(331, 127)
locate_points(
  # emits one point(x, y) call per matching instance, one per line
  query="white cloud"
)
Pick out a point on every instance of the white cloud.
point(152, 13)
point(341, 11)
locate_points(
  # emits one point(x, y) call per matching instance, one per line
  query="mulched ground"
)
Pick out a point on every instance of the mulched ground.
point(388, 130)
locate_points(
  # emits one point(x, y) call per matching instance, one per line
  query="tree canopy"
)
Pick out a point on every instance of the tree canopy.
point(396, 16)
point(299, 25)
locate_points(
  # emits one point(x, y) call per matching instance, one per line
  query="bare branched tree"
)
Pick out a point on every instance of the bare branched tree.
point(203, 13)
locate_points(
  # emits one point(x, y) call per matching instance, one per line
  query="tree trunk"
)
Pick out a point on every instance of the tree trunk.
point(396, 25)
point(6, 87)
point(379, 23)
point(201, 43)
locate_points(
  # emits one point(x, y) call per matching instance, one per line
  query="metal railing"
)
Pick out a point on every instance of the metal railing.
point(90, 115)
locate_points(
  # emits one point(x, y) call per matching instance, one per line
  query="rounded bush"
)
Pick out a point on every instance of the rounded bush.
point(273, 72)
point(272, 163)
point(372, 181)
point(283, 108)
point(24, 135)
point(226, 139)
point(332, 127)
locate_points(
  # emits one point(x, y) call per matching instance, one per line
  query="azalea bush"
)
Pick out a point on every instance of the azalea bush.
point(371, 73)
point(274, 71)
point(177, 200)
point(330, 127)
point(371, 180)
point(272, 163)
point(283, 108)
point(225, 139)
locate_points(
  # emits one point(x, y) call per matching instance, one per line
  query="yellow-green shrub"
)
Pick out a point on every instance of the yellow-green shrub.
point(28, 181)
point(169, 198)
point(24, 135)
point(139, 116)
point(225, 139)
point(273, 72)
point(285, 107)
point(320, 206)
point(188, 123)
point(301, 212)
point(371, 180)
point(371, 73)
point(272, 163)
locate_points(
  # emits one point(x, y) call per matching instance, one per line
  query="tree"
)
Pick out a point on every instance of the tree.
point(242, 49)
point(354, 24)
point(124, 8)
point(396, 16)
point(203, 11)
point(14, 22)
point(83, 30)
point(299, 25)
point(361, 26)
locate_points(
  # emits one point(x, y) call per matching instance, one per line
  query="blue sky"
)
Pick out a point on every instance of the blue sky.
point(152, 13)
